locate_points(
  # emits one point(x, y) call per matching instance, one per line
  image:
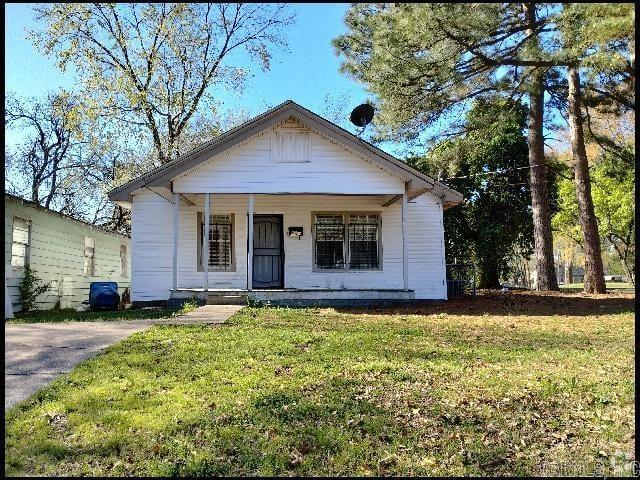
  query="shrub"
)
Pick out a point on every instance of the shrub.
point(30, 287)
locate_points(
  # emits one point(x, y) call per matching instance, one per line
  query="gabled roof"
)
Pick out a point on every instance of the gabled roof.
point(161, 176)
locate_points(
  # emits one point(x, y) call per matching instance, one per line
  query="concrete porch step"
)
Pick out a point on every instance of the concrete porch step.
point(226, 299)
point(211, 297)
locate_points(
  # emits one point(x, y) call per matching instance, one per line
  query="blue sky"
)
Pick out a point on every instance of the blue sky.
point(305, 74)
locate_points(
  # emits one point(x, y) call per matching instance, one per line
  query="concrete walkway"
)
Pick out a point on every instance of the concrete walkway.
point(36, 353)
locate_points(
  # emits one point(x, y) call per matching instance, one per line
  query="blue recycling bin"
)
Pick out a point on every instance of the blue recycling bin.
point(103, 295)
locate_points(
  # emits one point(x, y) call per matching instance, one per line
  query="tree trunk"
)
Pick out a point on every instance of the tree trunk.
point(542, 237)
point(526, 273)
point(593, 269)
point(568, 273)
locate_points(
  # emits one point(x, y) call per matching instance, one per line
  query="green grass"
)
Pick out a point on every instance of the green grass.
point(610, 286)
point(326, 392)
point(70, 315)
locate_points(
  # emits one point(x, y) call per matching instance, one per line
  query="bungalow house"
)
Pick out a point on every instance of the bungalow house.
point(287, 208)
point(62, 250)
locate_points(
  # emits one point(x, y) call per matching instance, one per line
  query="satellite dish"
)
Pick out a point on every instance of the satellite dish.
point(362, 115)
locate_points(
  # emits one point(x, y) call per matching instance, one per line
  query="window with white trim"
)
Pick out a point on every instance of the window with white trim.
point(89, 256)
point(220, 242)
point(346, 241)
point(123, 261)
point(20, 242)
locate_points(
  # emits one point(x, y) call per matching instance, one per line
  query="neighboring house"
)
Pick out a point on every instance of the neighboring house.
point(577, 275)
point(68, 252)
point(330, 218)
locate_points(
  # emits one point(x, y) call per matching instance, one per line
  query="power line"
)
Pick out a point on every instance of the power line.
point(496, 171)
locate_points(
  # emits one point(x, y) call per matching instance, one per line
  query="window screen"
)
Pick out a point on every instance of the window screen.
point(363, 241)
point(220, 242)
point(89, 254)
point(20, 242)
point(329, 241)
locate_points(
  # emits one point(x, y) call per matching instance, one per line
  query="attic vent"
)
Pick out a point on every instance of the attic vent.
point(292, 122)
point(290, 145)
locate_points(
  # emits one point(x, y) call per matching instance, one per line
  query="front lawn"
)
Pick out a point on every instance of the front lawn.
point(522, 385)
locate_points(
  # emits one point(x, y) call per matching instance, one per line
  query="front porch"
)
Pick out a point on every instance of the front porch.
point(295, 258)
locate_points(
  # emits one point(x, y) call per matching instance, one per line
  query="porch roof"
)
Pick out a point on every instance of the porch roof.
point(161, 177)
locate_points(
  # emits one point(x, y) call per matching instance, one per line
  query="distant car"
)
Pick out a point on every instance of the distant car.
point(103, 295)
point(613, 278)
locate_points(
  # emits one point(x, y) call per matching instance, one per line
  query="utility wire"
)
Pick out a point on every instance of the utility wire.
point(496, 171)
point(504, 171)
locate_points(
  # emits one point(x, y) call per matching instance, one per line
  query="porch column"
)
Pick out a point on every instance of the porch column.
point(176, 230)
point(250, 244)
point(205, 243)
point(405, 246)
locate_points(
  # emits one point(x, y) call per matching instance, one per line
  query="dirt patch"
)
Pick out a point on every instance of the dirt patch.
point(496, 302)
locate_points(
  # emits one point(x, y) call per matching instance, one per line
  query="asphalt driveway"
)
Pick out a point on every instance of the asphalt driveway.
point(36, 353)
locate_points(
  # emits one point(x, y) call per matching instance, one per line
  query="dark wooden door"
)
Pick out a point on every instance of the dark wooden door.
point(268, 252)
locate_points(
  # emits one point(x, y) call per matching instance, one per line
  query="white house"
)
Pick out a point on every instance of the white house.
point(330, 217)
point(67, 252)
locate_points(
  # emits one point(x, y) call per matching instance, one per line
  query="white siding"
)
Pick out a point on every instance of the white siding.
point(248, 168)
point(151, 247)
point(152, 244)
point(425, 234)
point(57, 254)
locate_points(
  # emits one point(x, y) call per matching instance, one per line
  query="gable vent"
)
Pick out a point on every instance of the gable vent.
point(290, 145)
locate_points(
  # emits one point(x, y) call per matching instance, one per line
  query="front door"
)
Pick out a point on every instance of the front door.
point(268, 251)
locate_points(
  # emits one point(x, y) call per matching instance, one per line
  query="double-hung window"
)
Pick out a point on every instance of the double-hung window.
point(347, 241)
point(20, 242)
point(220, 243)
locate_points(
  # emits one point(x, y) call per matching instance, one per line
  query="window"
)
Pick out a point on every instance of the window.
point(123, 260)
point(89, 253)
point(220, 243)
point(347, 241)
point(329, 241)
point(363, 241)
point(290, 145)
point(21, 238)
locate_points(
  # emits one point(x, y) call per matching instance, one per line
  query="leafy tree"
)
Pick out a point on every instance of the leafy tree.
point(152, 66)
point(604, 50)
point(602, 37)
point(427, 62)
point(488, 166)
point(613, 197)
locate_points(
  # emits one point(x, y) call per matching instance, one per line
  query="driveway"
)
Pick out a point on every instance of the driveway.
point(36, 353)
